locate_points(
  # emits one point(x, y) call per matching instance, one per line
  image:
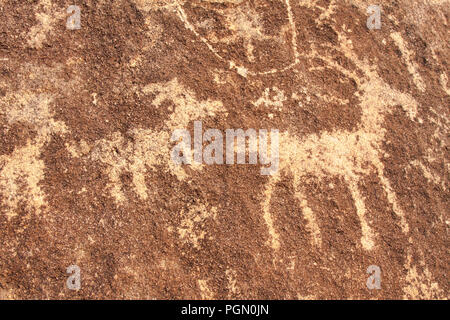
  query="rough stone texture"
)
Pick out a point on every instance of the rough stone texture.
point(86, 177)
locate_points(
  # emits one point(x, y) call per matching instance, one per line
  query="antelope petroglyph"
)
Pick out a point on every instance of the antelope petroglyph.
point(347, 154)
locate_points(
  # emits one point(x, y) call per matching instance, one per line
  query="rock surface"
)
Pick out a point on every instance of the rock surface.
point(86, 177)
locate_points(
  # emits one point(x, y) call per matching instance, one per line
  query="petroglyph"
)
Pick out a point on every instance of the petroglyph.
point(22, 171)
point(361, 114)
point(243, 21)
point(149, 148)
point(350, 155)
